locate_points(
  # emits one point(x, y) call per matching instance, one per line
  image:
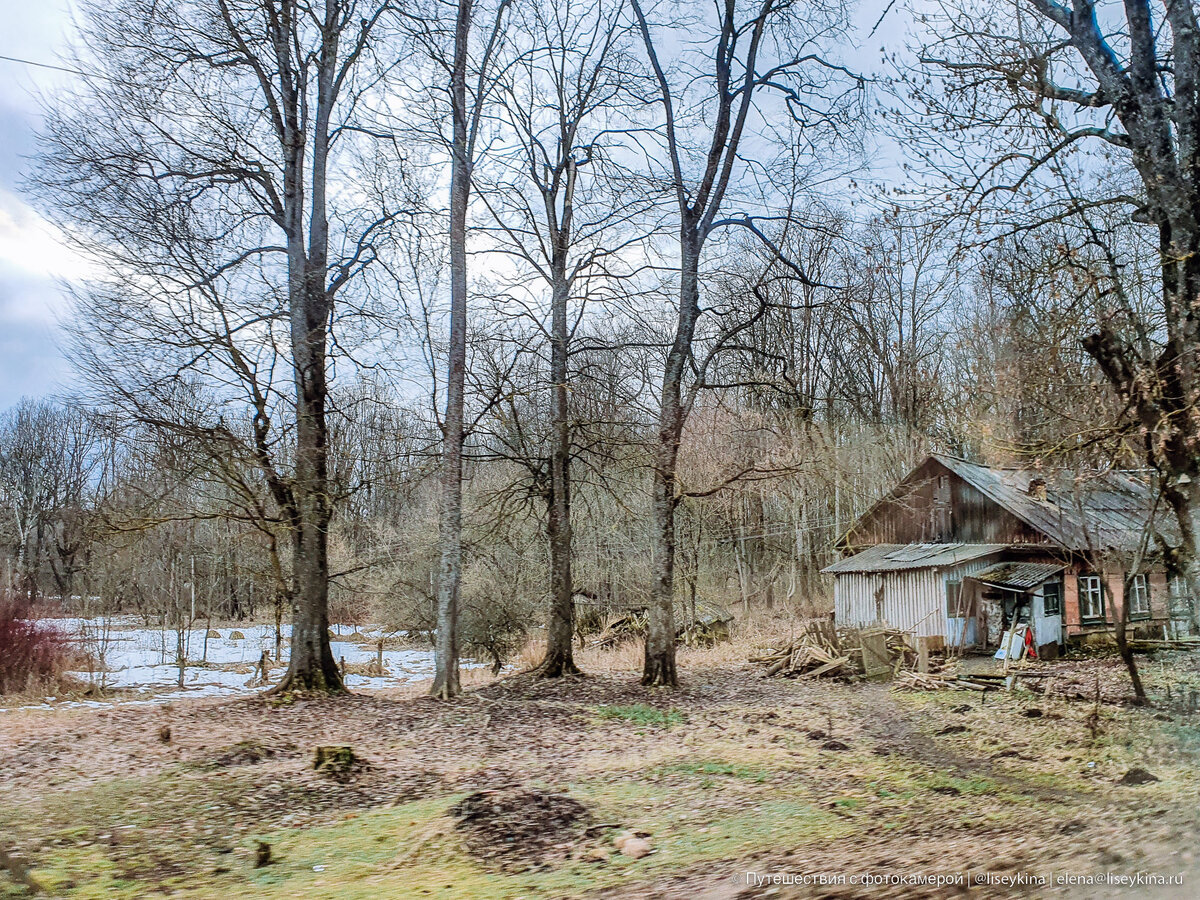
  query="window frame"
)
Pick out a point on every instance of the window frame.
point(950, 613)
point(1099, 592)
point(1058, 599)
point(1140, 578)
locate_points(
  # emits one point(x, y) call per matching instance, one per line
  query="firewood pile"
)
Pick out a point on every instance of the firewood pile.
point(957, 680)
point(1148, 645)
point(822, 652)
point(625, 627)
point(705, 631)
point(809, 660)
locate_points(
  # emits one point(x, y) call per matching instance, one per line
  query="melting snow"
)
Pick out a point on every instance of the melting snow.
point(143, 659)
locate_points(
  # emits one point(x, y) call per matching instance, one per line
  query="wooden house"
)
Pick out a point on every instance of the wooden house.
point(960, 551)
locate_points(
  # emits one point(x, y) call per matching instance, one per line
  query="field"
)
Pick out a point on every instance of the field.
point(524, 789)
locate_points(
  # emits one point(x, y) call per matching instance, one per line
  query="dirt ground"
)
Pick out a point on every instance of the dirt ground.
point(738, 786)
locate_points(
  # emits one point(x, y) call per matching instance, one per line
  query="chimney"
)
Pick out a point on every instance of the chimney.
point(1037, 488)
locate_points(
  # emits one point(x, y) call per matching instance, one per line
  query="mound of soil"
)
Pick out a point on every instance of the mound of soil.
point(1137, 776)
point(243, 753)
point(517, 828)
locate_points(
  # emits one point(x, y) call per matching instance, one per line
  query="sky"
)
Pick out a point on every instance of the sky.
point(35, 264)
point(33, 261)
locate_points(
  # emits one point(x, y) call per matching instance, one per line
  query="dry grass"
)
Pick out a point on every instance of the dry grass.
point(747, 633)
point(732, 771)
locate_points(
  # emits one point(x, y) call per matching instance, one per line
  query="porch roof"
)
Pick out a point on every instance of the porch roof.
point(898, 557)
point(1019, 576)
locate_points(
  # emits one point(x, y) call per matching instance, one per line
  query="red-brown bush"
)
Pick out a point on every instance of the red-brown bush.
point(31, 651)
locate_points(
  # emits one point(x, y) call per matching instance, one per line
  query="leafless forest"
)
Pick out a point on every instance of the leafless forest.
point(489, 324)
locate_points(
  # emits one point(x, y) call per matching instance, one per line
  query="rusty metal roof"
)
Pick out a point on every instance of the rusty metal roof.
point(1020, 576)
point(898, 557)
point(1082, 512)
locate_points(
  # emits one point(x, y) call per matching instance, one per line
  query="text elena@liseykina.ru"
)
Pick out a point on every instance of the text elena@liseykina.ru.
point(964, 879)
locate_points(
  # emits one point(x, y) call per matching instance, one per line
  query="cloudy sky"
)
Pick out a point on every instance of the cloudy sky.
point(33, 262)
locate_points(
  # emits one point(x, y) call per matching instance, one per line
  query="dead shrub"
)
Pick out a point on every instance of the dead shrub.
point(33, 652)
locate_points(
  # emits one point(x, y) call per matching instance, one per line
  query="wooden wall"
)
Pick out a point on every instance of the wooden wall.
point(915, 516)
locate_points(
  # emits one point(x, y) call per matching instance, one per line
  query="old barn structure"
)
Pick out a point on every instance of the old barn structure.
point(960, 551)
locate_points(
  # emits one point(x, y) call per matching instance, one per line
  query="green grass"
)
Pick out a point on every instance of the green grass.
point(641, 714)
point(973, 785)
point(755, 774)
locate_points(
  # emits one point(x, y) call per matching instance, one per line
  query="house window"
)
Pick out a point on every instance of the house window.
point(1139, 597)
point(954, 604)
point(1052, 598)
point(1091, 598)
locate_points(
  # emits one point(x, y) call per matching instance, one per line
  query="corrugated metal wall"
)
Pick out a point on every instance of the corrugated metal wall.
point(913, 600)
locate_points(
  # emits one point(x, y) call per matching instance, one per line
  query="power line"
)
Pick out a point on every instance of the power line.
point(86, 74)
point(42, 65)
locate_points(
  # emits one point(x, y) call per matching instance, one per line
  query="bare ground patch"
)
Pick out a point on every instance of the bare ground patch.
point(730, 774)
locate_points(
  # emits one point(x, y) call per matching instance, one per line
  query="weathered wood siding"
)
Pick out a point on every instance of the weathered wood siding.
point(923, 510)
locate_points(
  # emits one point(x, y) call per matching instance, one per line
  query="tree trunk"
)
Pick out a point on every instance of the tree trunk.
point(659, 668)
point(560, 625)
point(1121, 634)
point(446, 675)
point(311, 666)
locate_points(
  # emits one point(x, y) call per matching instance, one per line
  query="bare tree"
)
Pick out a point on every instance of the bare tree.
point(469, 72)
point(1075, 108)
point(772, 48)
point(198, 160)
point(563, 220)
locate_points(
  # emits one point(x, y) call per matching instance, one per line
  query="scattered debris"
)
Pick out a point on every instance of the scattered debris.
point(951, 729)
point(626, 627)
point(262, 855)
point(1146, 646)
point(966, 681)
point(706, 631)
point(164, 734)
point(517, 828)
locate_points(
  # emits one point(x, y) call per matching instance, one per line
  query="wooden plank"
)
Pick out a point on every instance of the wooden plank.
point(923, 655)
point(877, 662)
point(828, 667)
